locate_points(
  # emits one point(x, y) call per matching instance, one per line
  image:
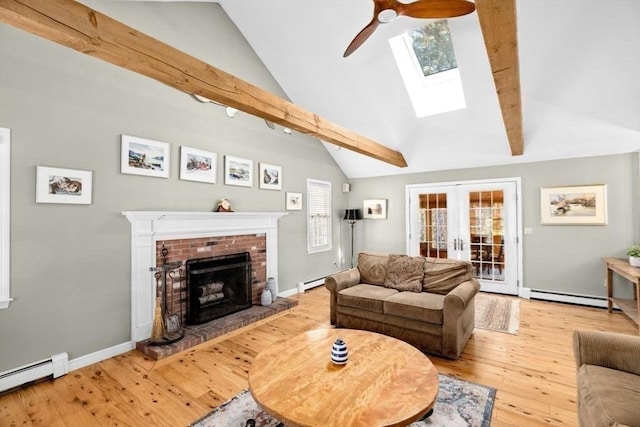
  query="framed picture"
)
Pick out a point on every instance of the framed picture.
point(70, 186)
point(270, 177)
point(294, 202)
point(238, 171)
point(140, 156)
point(198, 165)
point(576, 205)
point(375, 209)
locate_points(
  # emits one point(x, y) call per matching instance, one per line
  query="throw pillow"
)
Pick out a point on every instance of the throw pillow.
point(404, 273)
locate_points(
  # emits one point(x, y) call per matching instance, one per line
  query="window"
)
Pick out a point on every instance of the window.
point(4, 217)
point(318, 216)
point(428, 66)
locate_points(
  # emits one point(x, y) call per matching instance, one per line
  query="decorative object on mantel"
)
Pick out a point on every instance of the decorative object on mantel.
point(634, 255)
point(69, 186)
point(271, 285)
point(224, 205)
point(265, 298)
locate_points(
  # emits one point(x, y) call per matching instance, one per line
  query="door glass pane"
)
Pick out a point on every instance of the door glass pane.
point(433, 225)
point(486, 228)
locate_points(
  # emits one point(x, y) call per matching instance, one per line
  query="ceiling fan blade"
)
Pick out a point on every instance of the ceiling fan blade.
point(433, 9)
point(361, 37)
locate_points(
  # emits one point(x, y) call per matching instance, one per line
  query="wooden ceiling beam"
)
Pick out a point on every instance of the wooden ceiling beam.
point(79, 27)
point(499, 29)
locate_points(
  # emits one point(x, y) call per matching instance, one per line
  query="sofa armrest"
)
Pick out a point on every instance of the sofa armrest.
point(337, 282)
point(458, 298)
point(342, 280)
point(610, 350)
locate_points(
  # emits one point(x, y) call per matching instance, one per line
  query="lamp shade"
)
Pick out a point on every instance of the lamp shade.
point(352, 214)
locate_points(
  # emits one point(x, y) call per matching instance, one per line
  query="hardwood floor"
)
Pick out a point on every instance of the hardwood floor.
point(533, 372)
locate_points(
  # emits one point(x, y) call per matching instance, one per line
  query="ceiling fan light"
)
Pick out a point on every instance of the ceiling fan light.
point(387, 15)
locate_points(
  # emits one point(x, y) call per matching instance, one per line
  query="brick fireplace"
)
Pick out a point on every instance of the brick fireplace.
point(195, 235)
point(181, 251)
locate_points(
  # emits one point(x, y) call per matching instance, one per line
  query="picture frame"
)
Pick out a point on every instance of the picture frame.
point(141, 156)
point(64, 186)
point(270, 177)
point(374, 209)
point(293, 201)
point(238, 171)
point(198, 165)
point(574, 205)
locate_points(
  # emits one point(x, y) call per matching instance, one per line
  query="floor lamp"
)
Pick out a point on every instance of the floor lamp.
point(351, 216)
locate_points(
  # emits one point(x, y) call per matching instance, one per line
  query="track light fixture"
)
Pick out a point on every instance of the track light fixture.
point(231, 112)
point(287, 131)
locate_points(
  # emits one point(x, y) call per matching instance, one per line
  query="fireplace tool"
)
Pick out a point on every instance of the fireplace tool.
point(171, 320)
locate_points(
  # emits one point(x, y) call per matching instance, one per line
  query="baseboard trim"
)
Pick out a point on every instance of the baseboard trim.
point(303, 286)
point(100, 355)
point(588, 300)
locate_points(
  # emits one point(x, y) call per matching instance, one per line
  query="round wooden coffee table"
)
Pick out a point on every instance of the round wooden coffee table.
point(386, 382)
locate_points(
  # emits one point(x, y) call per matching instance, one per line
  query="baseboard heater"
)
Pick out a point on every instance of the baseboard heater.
point(590, 300)
point(54, 367)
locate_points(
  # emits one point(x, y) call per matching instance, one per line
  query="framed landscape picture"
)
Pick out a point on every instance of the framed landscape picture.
point(140, 156)
point(238, 171)
point(574, 205)
point(375, 209)
point(270, 177)
point(198, 165)
point(69, 186)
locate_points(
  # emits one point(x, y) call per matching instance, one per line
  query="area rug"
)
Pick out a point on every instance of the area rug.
point(497, 313)
point(459, 404)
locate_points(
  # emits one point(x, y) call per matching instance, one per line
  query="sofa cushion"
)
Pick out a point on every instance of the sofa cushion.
point(424, 307)
point(372, 267)
point(404, 273)
point(609, 396)
point(442, 274)
point(365, 297)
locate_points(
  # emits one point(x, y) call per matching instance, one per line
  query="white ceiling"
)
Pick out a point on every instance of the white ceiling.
point(579, 70)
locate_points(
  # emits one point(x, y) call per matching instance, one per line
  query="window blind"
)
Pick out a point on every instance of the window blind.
point(318, 215)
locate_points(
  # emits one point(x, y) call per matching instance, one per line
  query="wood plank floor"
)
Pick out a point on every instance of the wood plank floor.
point(533, 372)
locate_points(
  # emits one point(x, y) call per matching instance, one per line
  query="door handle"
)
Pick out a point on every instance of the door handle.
point(461, 244)
point(455, 244)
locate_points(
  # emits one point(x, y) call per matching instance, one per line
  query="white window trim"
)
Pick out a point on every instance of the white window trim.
point(329, 245)
point(5, 230)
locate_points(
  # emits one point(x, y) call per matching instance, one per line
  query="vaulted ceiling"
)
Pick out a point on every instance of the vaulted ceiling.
point(579, 65)
point(577, 74)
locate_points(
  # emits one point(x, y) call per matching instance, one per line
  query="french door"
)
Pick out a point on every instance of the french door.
point(474, 221)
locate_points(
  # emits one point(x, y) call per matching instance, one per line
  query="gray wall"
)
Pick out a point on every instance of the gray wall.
point(565, 259)
point(70, 264)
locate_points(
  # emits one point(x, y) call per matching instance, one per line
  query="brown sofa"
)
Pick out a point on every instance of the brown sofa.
point(608, 378)
point(427, 302)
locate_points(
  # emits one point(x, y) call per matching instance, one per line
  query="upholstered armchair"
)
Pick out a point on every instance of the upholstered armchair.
point(608, 378)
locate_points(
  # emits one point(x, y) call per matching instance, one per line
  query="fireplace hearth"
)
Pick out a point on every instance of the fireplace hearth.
point(217, 286)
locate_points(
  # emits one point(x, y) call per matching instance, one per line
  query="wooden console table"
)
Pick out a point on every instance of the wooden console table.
point(630, 307)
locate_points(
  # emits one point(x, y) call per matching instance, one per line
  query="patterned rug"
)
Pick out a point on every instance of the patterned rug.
point(459, 404)
point(497, 313)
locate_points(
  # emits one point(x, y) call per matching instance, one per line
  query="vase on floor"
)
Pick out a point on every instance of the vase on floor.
point(265, 298)
point(271, 286)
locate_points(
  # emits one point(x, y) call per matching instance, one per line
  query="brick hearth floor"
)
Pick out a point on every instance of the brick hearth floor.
point(197, 334)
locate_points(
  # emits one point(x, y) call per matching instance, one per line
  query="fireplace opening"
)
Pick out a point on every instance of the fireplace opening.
point(217, 286)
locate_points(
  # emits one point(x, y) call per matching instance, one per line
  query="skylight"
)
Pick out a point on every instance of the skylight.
point(429, 69)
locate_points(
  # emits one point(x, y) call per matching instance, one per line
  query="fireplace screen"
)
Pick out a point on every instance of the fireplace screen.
point(217, 286)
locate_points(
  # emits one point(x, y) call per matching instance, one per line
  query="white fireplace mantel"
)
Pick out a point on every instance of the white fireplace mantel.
point(147, 227)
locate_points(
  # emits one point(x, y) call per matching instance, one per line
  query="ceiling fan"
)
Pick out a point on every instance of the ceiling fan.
point(385, 11)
